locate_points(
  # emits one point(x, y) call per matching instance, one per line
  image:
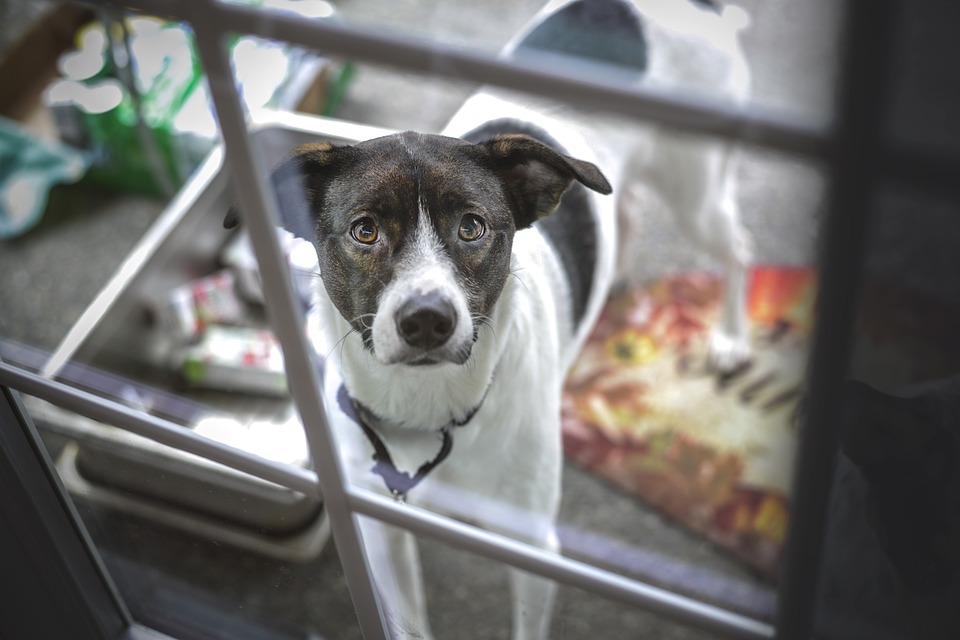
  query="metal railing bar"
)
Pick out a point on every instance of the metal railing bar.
point(690, 113)
point(855, 174)
point(566, 570)
point(258, 211)
point(172, 215)
point(158, 430)
point(456, 534)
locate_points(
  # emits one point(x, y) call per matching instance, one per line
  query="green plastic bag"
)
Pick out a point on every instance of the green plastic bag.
point(29, 168)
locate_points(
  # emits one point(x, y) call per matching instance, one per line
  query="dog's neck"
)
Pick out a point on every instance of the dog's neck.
point(397, 481)
point(372, 422)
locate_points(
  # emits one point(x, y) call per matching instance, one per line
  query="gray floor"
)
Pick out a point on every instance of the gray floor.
point(55, 271)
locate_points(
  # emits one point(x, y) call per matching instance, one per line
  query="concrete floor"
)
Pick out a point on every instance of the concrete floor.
point(55, 271)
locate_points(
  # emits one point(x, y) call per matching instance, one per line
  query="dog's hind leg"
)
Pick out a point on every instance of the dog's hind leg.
point(730, 343)
point(697, 180)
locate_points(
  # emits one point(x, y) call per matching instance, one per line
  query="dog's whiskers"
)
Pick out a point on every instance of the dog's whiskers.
point(341, 343)
point(513, 273)
point(484, 321)
point(362, 320)
point(306, 272)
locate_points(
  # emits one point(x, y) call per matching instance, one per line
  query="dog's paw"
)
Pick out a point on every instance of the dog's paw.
point(727, 352)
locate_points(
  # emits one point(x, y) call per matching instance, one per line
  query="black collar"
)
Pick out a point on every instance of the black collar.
point(399, 483)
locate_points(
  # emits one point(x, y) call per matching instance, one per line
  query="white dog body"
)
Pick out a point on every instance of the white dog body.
point(491, 384)
point(504, 469)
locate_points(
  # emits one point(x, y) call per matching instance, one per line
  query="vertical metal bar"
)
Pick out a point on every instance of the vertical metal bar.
point(258, 208)
point(862, 93)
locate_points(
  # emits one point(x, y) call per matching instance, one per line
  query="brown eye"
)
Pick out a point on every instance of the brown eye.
point(471, 228)
point(365, 231)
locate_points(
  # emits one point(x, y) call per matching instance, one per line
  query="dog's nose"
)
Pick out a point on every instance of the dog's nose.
point(426, 321)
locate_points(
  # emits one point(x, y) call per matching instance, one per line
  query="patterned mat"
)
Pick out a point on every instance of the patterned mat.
point(714, 452)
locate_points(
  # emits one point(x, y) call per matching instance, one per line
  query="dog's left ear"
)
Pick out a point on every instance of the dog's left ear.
point(536, 176)
point(298, 181)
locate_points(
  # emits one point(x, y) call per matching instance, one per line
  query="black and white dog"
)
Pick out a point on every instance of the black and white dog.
point(461, 274)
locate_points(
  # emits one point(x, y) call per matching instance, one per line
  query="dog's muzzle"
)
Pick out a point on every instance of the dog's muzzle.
point(422, 321)
point(426, 321)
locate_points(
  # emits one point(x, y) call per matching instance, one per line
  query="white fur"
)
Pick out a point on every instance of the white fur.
point(504, 470)
point(505, 467)
point(426, 270)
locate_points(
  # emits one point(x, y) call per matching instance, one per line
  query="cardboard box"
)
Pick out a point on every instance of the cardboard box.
point(31, 64)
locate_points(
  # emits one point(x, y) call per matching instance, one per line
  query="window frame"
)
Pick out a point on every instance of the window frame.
point(854, 156)
point(54, 581)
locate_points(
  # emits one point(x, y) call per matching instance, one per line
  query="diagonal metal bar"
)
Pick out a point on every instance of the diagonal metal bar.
point(565, 570)
point(566, 83)
point(158, 430)
point(259, 213)
point(469, 538)
point(691, 113)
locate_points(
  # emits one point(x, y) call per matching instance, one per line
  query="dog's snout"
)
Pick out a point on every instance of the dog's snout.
point(426, 321)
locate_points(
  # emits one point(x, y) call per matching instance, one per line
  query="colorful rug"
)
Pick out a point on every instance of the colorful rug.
point(713, 452)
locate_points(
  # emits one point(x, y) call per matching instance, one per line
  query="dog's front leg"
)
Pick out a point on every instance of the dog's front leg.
point(526, 503)
point(533, 600)
point(395, 564)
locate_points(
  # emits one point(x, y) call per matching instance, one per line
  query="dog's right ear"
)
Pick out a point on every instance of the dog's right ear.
point(298, 183)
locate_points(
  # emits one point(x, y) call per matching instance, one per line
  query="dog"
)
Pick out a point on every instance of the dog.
point(461, 273)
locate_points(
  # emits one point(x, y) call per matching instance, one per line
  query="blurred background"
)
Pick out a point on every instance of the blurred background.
point(60, 254)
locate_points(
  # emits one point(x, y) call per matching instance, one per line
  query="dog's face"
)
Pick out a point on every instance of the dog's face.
point(414, 232)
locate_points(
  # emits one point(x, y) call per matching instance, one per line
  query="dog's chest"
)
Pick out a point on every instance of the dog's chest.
point(509, 435)
point(514, 389)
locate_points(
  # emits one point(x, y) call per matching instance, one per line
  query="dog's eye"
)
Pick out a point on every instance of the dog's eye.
point(471, 228)
point(365, 231)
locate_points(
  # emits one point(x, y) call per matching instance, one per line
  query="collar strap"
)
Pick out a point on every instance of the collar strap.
point(399, 483)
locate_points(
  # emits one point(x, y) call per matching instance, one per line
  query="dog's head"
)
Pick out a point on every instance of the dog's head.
point(414, 232)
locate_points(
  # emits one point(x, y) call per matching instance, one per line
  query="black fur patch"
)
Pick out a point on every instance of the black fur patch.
point(571, 229)
point(708, 4)
point(607, 31)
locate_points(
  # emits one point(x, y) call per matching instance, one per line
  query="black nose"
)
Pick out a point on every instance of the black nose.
point(426, 321)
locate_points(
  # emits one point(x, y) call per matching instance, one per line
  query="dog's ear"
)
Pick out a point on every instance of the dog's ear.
point(536, 176)
point(297, 182)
